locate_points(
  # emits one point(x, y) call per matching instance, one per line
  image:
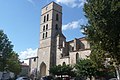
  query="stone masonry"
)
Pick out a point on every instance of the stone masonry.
point(54, 49)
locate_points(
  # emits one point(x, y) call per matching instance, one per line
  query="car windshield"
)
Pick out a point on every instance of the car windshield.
point(22, 78)
point(25, 78)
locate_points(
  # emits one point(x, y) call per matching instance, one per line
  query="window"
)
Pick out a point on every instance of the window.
point(64, 63)
point(43, 35)
point(77, 57)
point(57, 17)
point(34, 59)
point(56, 26)
point(44, 18)
point(46, 34)
point(47, 17)
point(61, 55)
point(46, 26)
point(72, 48)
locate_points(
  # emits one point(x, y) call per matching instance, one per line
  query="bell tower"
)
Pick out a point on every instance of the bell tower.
point(50, 26)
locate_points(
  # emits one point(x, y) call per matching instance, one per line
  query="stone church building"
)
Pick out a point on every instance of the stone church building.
point(54, 49)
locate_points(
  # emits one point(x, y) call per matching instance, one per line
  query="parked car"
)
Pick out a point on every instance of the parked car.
point(47, 78)
point(113, 79)
point(6, 75)
point(23, 78)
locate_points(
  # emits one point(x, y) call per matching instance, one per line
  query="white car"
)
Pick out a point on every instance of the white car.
point(23, 78)
point(113, 79)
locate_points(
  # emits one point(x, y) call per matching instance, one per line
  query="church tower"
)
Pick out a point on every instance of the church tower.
point(50, 26)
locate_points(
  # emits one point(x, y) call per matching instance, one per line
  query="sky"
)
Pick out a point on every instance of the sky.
point(20, 20)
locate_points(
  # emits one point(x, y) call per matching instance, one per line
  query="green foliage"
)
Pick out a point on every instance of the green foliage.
point(98, 56)
point(62, 70)
point(85, 68)
point(14, 63)
point(5, 49)
point(8, 58)
point(103, 33)
point(55, 70)
point(103, 29)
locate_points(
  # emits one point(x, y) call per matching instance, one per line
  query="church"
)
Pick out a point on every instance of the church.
point(53, 48)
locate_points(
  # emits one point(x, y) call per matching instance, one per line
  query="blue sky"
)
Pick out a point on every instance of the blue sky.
point(20, 20)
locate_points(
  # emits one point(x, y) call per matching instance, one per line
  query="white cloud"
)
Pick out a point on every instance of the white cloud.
point(72, 3)
point(28, 53)
point(74, 24)
point(32, 2)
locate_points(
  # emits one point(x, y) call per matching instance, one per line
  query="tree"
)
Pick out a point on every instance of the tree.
point(67, 70)
point(8, 58)
point(101, 62)
point(85, 68)
point(103, 28)
point(5, 49)
point(14, 63)
point(55, 70)
point(62, 70)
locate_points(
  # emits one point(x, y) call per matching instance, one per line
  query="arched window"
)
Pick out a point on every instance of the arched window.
point(61, 55)
point(72, 48)
point(43, 35)
point(46, 26)
point(57, 17)
point(56, 26)
point(46, 34)
point(64, 63)
point(77, 57)
point(44, 18)
point(47, 17)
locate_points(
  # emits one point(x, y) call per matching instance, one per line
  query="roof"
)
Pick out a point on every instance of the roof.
point(50, 3)
point(31, 58)
point(24, 64)
point(61, 35)
point(81, 39)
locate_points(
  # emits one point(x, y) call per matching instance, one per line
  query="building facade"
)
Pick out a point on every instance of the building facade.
point(54, 49)
point(24, 70)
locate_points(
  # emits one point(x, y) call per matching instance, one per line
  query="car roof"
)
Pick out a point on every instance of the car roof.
point(21, 78)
